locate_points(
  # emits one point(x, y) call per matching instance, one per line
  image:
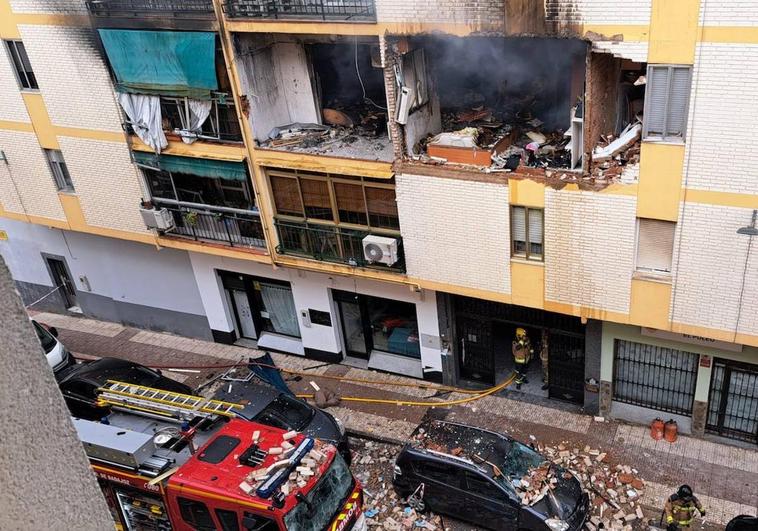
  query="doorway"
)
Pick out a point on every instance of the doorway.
point(62, 280)
point(733, 401)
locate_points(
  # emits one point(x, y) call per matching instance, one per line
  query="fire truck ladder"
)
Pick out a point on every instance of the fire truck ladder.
point(164, 403)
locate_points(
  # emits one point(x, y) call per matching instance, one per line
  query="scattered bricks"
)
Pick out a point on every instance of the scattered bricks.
point(639, 513)
point(595, 520)
point(590, 526)
point(292, 476)
point(626, 478)
point(277, 465)
point(586, 449)
point(600, 457)
point(456, 451)
point(287, 445)
point(304, 471)
point(638, 484)
point(594, 453)
point(289, 435)
point(631, 517)
point(619, 515)
point(315, 454)
point(564, 453)
point(275, 450)
point(285, 489)
point(246, 487)
point(301, 483)
point(256, 436)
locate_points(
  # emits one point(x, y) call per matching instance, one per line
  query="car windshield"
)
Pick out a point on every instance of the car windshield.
point(286, 413)
point(519, 459)
point(316, 512)
point(45, 337)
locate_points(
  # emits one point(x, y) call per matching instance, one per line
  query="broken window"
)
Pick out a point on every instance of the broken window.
point(526, 232)
point(655, 244)
point(668, 95)
point(317, 94)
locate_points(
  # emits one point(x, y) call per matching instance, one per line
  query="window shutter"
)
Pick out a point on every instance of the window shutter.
point(655, 99)
point(655, 245)
point(286, 196)
point(678, 96)
point(518, 224)
point(535, 226)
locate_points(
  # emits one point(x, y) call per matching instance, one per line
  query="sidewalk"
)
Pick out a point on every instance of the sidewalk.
point(724, 477)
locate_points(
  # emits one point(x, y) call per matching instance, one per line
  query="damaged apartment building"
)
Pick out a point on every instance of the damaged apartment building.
point(400, 186)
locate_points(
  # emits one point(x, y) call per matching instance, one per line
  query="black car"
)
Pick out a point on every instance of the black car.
point(454, 464)
point(79, 383)
point(744, 522)
point(267, 405)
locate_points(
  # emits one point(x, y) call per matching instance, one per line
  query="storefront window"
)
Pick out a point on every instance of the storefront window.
point(394, 327)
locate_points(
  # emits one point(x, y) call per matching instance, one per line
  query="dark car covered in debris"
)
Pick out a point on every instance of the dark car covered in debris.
point(474, 475)
point(267, 405)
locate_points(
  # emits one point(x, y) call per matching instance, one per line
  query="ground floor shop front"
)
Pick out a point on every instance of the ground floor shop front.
point(707, 386)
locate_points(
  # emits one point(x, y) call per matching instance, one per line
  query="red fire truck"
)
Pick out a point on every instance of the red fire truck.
point(168, 461)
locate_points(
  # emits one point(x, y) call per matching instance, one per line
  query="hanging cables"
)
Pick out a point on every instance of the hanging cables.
point(366, 99)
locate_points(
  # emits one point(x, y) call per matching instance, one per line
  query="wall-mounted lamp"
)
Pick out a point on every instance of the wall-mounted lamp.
point(750, 230)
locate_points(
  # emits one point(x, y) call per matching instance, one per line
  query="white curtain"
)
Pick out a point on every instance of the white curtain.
point(199, 111)
point(281, 309)
point(144, 114)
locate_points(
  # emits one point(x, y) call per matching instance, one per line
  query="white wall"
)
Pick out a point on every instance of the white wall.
point(13, 107)
point(312, 291)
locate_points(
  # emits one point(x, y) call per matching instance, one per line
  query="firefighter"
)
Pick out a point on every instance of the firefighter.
point(522, 353)
point(680, 509)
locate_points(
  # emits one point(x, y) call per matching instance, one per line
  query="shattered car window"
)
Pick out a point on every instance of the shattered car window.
point(520, 459)
point(322, 503)
point(286, 413)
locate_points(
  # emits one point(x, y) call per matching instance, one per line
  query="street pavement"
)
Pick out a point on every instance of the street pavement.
point(723, 476)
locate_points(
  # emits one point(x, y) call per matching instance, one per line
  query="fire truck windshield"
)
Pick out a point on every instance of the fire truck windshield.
point(320, 506)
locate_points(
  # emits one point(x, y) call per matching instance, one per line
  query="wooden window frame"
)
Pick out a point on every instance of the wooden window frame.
point(664, 136)
point(527, 254)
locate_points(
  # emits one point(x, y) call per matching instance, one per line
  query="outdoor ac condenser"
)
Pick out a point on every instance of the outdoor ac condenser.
point(380, 249)
point(160, 219)
point(404, 102)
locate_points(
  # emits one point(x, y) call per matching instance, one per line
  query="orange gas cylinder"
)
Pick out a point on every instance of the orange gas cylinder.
point(670, 431)
point(656, 429)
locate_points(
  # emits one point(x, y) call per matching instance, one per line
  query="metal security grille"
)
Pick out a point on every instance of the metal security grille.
point(733, 401)
point(655, 377)
point(319, 9)
point(566, 366)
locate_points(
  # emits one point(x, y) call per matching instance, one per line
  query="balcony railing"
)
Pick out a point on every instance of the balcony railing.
point(135, 8)
point(330, 244)
point(353, 10)
point(233, 227)
point(221, 125)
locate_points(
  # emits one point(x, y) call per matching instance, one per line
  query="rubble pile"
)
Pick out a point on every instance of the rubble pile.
point(613, 154)
point(614, 491)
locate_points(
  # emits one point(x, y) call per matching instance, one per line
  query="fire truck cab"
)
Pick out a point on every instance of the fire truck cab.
point(197, 468)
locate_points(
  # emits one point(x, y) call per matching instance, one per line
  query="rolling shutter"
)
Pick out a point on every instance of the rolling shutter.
point(666, 100)
point(679, 93)
point(518, 224)
point(535, 226)
point(655, 245)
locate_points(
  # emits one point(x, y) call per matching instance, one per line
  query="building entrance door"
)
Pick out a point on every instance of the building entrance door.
point(733, 401)
point(62, 279)
point(566, 366)
point(353, 329)
point(243, 314)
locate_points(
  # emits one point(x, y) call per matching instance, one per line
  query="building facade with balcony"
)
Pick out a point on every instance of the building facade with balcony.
point(401, 185)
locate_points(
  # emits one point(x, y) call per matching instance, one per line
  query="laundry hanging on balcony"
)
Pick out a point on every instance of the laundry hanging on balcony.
point(215, 169)
point(166, 63)
point(144, 113)
point(199, 110)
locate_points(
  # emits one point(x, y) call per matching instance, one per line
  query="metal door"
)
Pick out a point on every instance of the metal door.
point(244, 313)
point(476, 358)
point(566, 366)
point(61, 278)
point(733, 401)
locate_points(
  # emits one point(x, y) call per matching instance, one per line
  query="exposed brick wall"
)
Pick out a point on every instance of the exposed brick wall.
point(455, 231)
point(732, 13)
point(73, 78)
point(107, 183)
point(490, 12)
point(26, 184)
point(589, 248)
point(598, 11)
point(708, 269)
point(12, 107)
point(721, 152)
point(68, 7)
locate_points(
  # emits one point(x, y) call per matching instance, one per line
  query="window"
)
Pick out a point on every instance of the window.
point(24, 73)
point(480, 486)
point(196, 514)
point(228, 520)
point(191, 188)
point(440, 472)
point(255, 522)
point(219, 449)
point(527, 232)
point(60, 171)
point(666, 99)
point(655, 244)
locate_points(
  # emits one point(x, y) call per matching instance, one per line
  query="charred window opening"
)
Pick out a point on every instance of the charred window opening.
point(316, 94)
point(492, 102)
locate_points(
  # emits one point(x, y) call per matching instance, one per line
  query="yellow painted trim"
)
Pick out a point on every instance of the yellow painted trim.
point(200, 150)
point(728, 199)
point(620, 189)
point(8, 125)
point(8, 27)
point(357, 28)
point(730, 34)
point(660, 184)
point(525, 192)
point(673, 31)
point(650, 302)
point(90, 134)
point(302, 161)
point(721, 335)
point(461, 290)
point(528, 283)
point(43, 128)
point(585, 312)
point(629, 32)
point(43, 19)
point(37, 220)
point(73, 210)
point(215, 250)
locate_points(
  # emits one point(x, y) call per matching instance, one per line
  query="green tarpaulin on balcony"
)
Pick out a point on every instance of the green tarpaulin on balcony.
point(216, 169)
point(168, 63)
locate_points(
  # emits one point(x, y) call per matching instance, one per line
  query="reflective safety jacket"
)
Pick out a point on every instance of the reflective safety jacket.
point(522, 351)
point(682, 512)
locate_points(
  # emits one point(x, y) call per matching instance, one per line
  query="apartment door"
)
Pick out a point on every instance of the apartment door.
point(353, 327)
point(733, 401)
point(62, 279)
point(238, 299)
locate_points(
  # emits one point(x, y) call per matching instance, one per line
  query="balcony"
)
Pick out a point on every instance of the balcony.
point(220, 126)
point(331, 244)
point(165, 14)
point(333, 10)
point(236, 228)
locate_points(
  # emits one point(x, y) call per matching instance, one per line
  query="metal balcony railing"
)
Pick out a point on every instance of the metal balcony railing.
point(236, 228)
point(330, 244)
point(353, 10)
point(221, 125)
point(108, 8)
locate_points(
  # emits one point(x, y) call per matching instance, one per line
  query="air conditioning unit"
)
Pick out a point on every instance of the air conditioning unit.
point(159, 218)
point(404, 102)
point(380, 249)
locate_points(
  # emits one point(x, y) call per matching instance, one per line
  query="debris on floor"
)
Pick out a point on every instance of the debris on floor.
point(614, 156)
